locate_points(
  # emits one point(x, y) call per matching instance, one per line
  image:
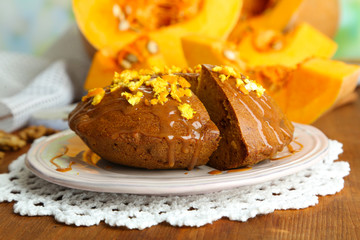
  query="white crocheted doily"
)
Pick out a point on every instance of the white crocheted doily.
point(36, 197)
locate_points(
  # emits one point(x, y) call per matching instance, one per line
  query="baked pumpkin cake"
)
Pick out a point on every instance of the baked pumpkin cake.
point(252, 126)
point(151, 119)
point(146, 119)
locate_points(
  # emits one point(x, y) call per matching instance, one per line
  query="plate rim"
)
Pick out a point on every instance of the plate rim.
point(176, 187)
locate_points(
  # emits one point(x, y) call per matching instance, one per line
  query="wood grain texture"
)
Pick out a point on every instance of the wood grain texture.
point(335, 217)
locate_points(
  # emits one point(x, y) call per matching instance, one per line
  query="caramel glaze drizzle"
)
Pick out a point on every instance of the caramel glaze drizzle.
point(58, 167)
point(291, 150)
point(239, 169)
point(170, 120)
point(217, 172)
point(90, 157)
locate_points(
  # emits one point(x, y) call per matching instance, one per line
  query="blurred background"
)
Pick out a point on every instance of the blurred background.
point(32, 26)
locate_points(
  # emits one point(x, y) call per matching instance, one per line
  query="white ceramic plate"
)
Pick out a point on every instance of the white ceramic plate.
point(107, 177)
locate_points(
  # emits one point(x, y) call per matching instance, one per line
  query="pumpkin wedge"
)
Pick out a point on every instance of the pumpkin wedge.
point(110, 25)
point(267, 47)
point(311, 89)
point(316, 86)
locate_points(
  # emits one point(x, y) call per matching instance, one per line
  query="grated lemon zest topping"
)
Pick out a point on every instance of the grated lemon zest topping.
point(133, 99)
point(186, 111)
point(197, 68)
point(243, 83)
point(167, 84)
point(97, 94)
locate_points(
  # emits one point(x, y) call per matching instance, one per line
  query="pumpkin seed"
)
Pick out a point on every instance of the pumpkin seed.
point(229, 55)
point(128, 10)
point(125, 64)
point(152, 47)
point(131, 58)
point(124, 25)
point(277, 45)
point(116, 10)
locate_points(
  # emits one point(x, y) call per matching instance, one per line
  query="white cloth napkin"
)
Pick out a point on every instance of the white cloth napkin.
point(29, 84)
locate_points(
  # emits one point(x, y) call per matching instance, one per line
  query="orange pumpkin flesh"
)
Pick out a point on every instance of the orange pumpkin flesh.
point(316, 86)
point(103, 67)
point(310, 90)
point(295, 47)
point(301, 43)
point(204, 50)
point(280, 15)
point(276, 17)
point(101, 71)
point(97, 22)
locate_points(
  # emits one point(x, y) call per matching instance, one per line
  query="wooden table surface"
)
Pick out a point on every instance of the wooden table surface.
point(335, 217)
